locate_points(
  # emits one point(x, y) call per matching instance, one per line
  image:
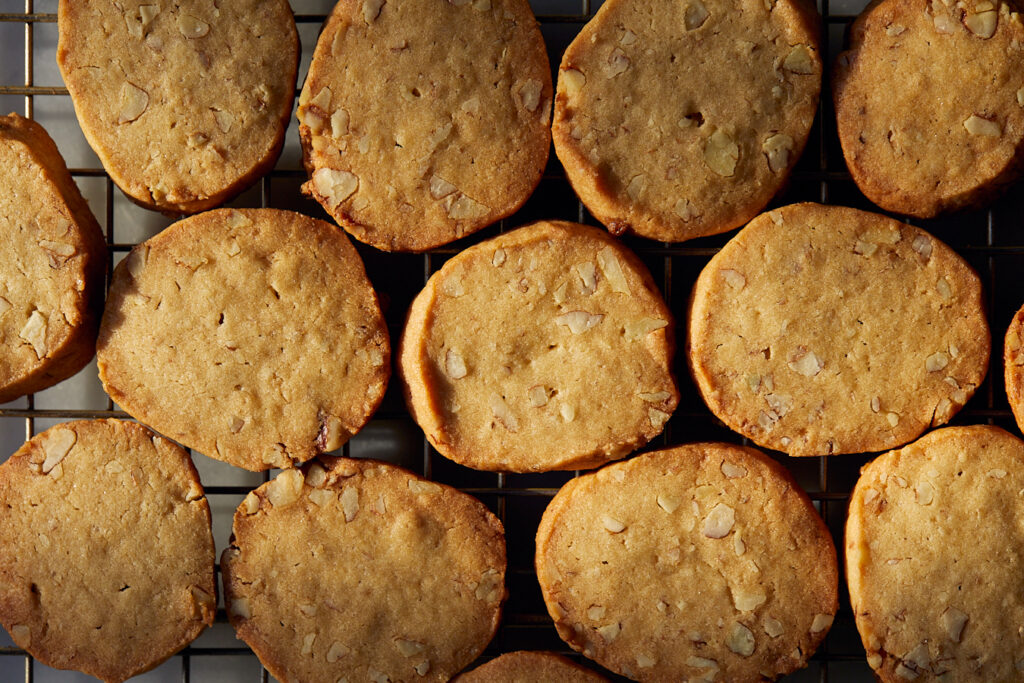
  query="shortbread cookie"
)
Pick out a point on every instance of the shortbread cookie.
point(545, 348)
point(252, 336)
point(1013, 366)
point(934, 538)
point(108, 562)
point(186, 104)
point(822, 329)
point(360, 570)
point(700, 562)
point(530, 667)
point(423, 121)
point(929, 103)
point(686, 124)
point(52, 262)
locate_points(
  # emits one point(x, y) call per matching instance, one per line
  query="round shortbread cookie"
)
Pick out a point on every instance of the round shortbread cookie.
point(108, 562)
point(360, 570)
point(546, 348)
point(934, 550)
point(187, 104)
point(530, 667)
point(423, 121)
point(929, 103)
point(822, 329)
point(701, 562)
point(52, 262)
point(252, 336)
point(684, 119)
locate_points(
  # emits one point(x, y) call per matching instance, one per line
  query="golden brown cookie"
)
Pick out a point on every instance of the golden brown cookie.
point(1013, 365)
point(546, 348)
point(934, 541)
point(701, 562)
point(186, 105)
point(360, 570)
point(424, 121)
point(822, 329)
point(530, 667)
point(929, 103)
point(52, 262)
point(108, 562)
point(252, 336)
point(684, 119)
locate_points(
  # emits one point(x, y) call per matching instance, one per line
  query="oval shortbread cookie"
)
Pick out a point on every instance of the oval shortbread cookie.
point(701, 562)
point(684, 119)
point(360, 570)
point(934, 545)
point(253, 336)
point(52, 262)
point(108, 562)
point(423, 121)
point(545, 348)
point(186, 104)
point(820, 330)
point(929, 103)
point(530, 667)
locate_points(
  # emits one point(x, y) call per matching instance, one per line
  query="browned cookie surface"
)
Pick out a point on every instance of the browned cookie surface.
point(929, 102)
point(186, 104)
point(108, 562)
point(52, 261)
point(253, 336)
point(701, 562)
point(530, 667)
point(425, 120)
point(684, 119)
point(360, 570)
point(546, 348)
point(820, 330)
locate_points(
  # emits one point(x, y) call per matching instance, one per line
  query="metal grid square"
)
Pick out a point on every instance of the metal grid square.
point(992, 240)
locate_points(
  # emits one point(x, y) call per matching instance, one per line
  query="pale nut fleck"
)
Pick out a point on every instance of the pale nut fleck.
point(251, 503)
point(922, 244)
point(194, 493)
point(409, 648)
point(773, 627)
point(421, 486)
point(455, 365)
point(316, 476)
point(977, 125)
point(239, 607)
point(579, 322)
point(719, 521)
point(893, 30)
point(636, 187)
point(285, 488)
point(440, 188)
point(982, 24)
point(821, 622)
point(307, 643)
point(925, 493)
point(893, 419)
point(684, 209)
point(943, 288)
point(748, 601)
point(807, 364)
point(733, 278)
point(529, 94)
point(943, 23)
point(645, 662)
point(147, 13)
point(732, 471)
point(57, 445)
point(21, 635)
point(467, 208)
point(741, 640)
point(656, 397)
point(134, 102)
point(953, 621)
point(1020, 97)
point(778, 149)
point(657, 417)
point(937, 361)
point(609, 632)
point(618, 63)
point(350, 502)
point(612, 525)
point(503, 414)
point(702, 663)
point(874, 660)
point(192, 27)
point(799, 60)
point(612, 270)
point(567, 412)
point(668, 503)
point(574, 81)
point(335, 185)
point(721, 154)
point(695, 15)
point(596, 612)
point(538, 396)
point(588, 276)
point(498, 258)
point(421, 669)
point(996, 473)
point(489, 588)
point(371, 10)
point(332, 434)
point(336, 652)
point(635, 329)
point(865, 248)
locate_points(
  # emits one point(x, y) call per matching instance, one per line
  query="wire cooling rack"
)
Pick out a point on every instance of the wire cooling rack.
point(992, 241)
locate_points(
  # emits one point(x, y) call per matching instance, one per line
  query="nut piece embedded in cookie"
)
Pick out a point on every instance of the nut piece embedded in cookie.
point(567, 362)
point(873, 376)
point(759, 613)
point(388, 531)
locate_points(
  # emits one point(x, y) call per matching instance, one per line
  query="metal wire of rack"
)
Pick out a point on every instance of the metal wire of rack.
point(992, 241)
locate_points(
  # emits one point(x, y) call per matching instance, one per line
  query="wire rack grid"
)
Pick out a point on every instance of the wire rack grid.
point(992, 241)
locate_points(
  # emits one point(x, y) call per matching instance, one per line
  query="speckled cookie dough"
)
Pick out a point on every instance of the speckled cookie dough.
point(423, 121)
point(531, 667)
point(108, 562)
point(252, 336)
point(929, 102)
point(934, 549)
point(546, 348)
point(822, 329)
point(52, 262)
point(702, 562)
point(684, 119)
point(185, 103)
point(359, 570)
